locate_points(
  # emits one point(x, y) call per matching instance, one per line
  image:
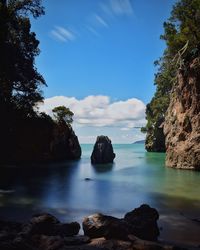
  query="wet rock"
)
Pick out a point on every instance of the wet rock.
point(144, 222)
point(99, 225)
point(103, 151)
point(76, 240)
point(50, 242)
point(47, 224)
point(67, 229)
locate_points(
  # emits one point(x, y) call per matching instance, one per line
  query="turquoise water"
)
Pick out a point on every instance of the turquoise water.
point(136, 177)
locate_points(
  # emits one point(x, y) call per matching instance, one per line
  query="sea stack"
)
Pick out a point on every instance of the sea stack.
point(102, 151)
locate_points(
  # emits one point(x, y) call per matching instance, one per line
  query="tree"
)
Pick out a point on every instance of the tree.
point(182, 37)
point(61, 113)
point(20, 81)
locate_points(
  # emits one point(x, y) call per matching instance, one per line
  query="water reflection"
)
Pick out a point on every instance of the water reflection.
point(101, 168)
point(136, 177)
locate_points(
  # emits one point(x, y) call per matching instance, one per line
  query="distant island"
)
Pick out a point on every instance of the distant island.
point(139, 142)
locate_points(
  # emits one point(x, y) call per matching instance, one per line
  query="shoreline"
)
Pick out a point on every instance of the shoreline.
point(165, 223)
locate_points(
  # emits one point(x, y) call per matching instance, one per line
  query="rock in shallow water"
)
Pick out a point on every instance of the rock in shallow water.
point(47, 224)
point(103, 151)
point(142, 222)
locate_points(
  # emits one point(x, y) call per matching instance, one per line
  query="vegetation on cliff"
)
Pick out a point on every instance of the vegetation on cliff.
point(182, 37)
point(25, 133)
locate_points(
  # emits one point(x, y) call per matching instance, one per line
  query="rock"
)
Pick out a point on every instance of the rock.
point(87, 179)
point(47, 224)
point(155, 139)
point(103, 151)
point(67, 229)
point(99, 225)
point(182, 121)
point(136, 244)
point(117, 233)
point(64, 143)
point(44, 242)
point(144, 222)
point(76, 240)
point(42, 140)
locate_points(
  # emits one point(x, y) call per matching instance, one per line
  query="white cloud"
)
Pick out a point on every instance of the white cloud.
point(96, 115)
point(117, 7)
point(101, 21)
point(99, 111)
point(93, 30)
point(62, 34)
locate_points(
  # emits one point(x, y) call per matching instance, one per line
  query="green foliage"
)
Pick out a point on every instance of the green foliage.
point(61, 113)
point(19, 80)
point(182, 37)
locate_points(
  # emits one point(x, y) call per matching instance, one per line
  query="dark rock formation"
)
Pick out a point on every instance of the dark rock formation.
point(99, 225)
point(41, 233)
point(103, 151)
point(47, 224)
point(155, 139)
point(64, 143)
point(43, 140)
point(182, 122)
point(142, 222)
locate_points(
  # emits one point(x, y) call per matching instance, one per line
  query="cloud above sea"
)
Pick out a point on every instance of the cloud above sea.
point(95, 115)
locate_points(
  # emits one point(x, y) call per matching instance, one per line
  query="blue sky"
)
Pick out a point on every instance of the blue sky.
point(99, 54)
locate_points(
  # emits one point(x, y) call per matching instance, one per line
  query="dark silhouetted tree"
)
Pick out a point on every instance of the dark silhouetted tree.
point(20, 81)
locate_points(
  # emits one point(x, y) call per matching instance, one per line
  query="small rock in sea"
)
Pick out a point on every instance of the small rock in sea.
point(102, 151)
point(87, 179)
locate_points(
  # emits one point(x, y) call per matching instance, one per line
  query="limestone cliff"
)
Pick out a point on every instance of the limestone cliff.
point(182, 121)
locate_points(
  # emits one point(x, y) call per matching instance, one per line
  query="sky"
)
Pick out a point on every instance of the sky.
point(97, 59)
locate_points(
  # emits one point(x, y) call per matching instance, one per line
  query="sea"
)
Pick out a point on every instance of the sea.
point(72, 190)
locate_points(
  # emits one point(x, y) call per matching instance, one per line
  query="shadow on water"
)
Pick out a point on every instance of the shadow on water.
point(102, 168)
point(35, 187)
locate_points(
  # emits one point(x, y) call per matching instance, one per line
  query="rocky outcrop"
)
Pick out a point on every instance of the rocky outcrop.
point(141, 222)
point(43, 140)
point(144, 222)
point(103, 151)
point(64, 143)
point(155, 139)
point(182, 122)
point(47, 224)
point(46, 232)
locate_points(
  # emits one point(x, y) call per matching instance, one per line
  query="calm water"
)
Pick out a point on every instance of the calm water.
point(136, 177)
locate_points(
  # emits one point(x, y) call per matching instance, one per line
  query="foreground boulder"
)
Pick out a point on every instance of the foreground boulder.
point(182, 121)
point(47, 224)
point(144, 222)
point(103, 151)
point(141, 222)
point(46, 232)
point(99, 225)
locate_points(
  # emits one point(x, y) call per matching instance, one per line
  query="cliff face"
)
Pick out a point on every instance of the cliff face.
point(182, 121)
point(64, 144)
point(155, 140)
